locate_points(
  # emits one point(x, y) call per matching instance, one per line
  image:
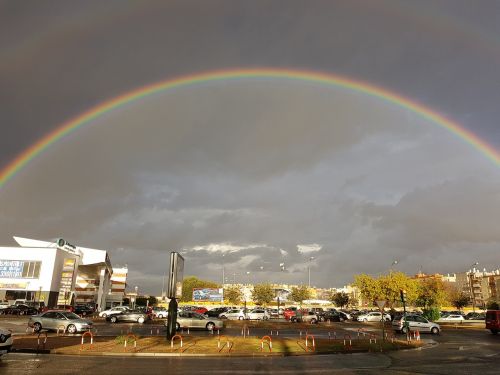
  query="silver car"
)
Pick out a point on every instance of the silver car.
point(416, 323)
point(191, 319)
point(54, 320)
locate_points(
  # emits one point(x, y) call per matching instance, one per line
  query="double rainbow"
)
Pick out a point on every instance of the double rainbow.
point(285, 74)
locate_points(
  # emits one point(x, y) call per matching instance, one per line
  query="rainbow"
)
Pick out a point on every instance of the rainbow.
point(237, 74)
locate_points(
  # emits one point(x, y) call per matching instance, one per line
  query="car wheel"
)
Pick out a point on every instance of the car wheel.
point(71, 328)
point(210, 326)
point(266, 318)
point(140, 320)
point(404, 330)
point(293, 320)
point(160, 316)
point(113, 319)
point(434, 330)
point(223, 317)
point(240, 318)
point(387, 319)
point(37, 327)
point(177, 327)
point(104, 315)
point(21, 312)
point(313, 321)
point(365, 320)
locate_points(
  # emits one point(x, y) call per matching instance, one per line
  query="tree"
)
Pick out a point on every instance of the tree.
point(233, 295)
point(431, 293)
point(459, 300)
point(386, 287)
point(262, 294)
point(492, 305)
point(299, 294)
point(368, 286)
point(191, 282)
point(340, 299)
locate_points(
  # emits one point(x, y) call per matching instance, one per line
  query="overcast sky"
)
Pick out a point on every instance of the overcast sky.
point(249, 174)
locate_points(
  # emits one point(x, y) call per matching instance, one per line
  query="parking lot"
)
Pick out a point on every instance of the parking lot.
point(457, 350)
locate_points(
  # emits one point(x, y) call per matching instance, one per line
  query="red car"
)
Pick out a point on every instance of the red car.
point(200, 310)
point(289, 312)
point(493, 321)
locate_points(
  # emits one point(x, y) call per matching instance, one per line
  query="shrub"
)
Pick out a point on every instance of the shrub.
point(432, 314)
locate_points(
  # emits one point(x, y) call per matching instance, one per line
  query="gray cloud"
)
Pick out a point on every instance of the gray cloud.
point(255, 162)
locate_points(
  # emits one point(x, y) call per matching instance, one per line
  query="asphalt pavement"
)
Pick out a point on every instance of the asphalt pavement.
point(455, 351)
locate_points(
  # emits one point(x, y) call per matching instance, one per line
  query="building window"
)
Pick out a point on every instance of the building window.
point(31, 270)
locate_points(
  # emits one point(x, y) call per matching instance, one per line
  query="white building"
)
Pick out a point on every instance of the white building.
point(118, 285)
point(55, 273)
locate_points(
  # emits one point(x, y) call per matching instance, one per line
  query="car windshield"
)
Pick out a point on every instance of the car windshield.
point(70, 315)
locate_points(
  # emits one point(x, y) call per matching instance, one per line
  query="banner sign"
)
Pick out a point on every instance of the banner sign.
point(208, 295)
point(11, 269)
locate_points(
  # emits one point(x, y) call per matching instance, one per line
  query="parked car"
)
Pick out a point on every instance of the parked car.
point(54, 319)
point(475, 316)
point(452, 318)
point(83, 310)
point(6, 341)
point(345, 315)
point(215, 312)
point(129, 316)
point(160, 312)
point(4, 305)
point(275, 313)
point(289, 312)
point(200, 310)
point(305, 317)
point(258, 314)
point(19, 310)
point(234, 314)
point(333, 316)
point(493, 321)
point(415, 322)
point(373, 316)
point(113, 310)
point(191, 319)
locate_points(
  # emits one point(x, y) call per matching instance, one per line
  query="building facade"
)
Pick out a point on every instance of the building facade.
point(55, 273)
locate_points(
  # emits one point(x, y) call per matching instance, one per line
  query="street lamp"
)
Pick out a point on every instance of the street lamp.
point(471, 287)
point(309, 271)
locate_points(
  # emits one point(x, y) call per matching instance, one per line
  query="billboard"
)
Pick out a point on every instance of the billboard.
point(175, 275)
point(208, 295)
point(11, 269)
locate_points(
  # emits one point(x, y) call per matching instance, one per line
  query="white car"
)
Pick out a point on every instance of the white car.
point(234, 314)
point(258, 314)
point(373, 316)
point(4, 305)
point(451, 318)
point(5, 341)
point(160, 313)
point(113, 310)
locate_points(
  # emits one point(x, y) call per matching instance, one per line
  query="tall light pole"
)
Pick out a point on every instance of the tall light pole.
point(223, 266)
point(309, 271)
point(471, 287)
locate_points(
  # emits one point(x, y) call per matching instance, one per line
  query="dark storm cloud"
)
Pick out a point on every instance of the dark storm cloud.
point(253, 170)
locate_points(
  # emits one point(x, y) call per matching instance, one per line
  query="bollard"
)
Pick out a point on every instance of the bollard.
point(126, 340)
point(373, 337)
point(245, 331)
point(268, 341)
point(277, 332)
point(62, 328)
point(347, 336)
point(219, 340)
point(173, 339)
point(38, 340)
point(313, 343)
point(417, 335)
point(183, 328)
point(88, 333)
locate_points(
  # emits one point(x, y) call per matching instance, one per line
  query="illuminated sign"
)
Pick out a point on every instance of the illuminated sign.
point(11, 269)
point(13, 285)
point(208, 295)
